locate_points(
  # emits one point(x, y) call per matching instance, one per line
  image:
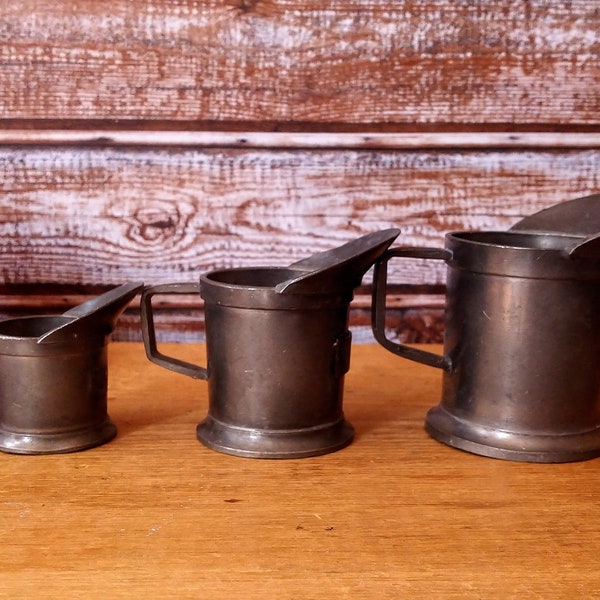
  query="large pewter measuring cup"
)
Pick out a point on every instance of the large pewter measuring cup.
point(278, 347)
point(521, 363)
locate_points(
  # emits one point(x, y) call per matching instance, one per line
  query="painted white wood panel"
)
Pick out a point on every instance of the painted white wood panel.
point(353, 62)
point(98, 216)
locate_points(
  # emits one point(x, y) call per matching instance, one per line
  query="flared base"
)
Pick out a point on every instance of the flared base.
point(56, 443)
point(260, 443)
point(507, 445)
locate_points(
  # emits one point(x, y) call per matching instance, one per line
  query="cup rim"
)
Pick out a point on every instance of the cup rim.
point(518, 240)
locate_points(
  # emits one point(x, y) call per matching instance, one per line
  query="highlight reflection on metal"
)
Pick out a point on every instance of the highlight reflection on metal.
point(278, 347)
point(522, 343)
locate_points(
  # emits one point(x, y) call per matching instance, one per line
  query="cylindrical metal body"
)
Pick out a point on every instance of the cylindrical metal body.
point(521, 347)
point(276, 364)
point(523, 339)
point(52, 395)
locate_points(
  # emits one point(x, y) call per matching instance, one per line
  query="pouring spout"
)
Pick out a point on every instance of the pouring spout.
point(98, 315)
point(587, 248)
point(339, 269)
point(580, 216)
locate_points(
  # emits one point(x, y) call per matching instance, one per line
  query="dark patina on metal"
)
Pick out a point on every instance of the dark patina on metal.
point(278, 347)
point(53, 377)
point(522, 342)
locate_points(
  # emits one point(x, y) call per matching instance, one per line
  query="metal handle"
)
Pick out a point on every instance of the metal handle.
point(149, 335)
point(378, 312)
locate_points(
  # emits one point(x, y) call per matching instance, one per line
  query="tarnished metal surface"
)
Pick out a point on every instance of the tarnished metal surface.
point(579, 217)
point(341, 268)
point(522, 345)
point(53, 377)
point(276, 360)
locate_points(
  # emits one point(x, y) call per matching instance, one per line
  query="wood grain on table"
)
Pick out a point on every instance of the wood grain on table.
point(154, 514)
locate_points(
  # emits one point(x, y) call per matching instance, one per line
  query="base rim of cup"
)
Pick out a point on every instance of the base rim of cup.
point(535, 447)
point(56, 443)
point(257, 443)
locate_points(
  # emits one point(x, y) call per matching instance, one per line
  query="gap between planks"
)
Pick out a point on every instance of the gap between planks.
point(193, 301)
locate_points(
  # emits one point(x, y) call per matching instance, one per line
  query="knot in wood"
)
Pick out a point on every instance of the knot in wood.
point(156, 224)
point(246, 6)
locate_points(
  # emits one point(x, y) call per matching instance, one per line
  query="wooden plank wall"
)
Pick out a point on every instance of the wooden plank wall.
point(157, 139)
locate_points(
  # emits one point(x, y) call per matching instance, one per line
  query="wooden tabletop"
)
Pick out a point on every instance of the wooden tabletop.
point(154, 514)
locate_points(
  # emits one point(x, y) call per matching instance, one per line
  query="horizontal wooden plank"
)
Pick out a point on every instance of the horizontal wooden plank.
point(38, 301)
point(512, 140)
point(410, 318)
point(101, 216)
point(355, 62)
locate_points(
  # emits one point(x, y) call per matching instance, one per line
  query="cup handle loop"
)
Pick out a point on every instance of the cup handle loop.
point(378, 312)
point(149, 334)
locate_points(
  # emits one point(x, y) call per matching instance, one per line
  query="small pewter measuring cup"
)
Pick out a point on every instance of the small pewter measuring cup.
point(278, 347)
point(521, 356)
point(53, 377)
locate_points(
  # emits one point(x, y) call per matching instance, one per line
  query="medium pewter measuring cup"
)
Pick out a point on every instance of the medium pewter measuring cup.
point(522, 341)
point(53, 377)
point(278, 347)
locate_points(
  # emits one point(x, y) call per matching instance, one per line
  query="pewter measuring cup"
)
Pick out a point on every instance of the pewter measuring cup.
point(53, 377)
point(521, 362)
point(278, 347)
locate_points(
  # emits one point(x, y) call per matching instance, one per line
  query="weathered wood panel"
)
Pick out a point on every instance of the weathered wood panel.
point(135, 138)
point(98, 216)
point(78, 219)
point(355, 63)
point(411, 317)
